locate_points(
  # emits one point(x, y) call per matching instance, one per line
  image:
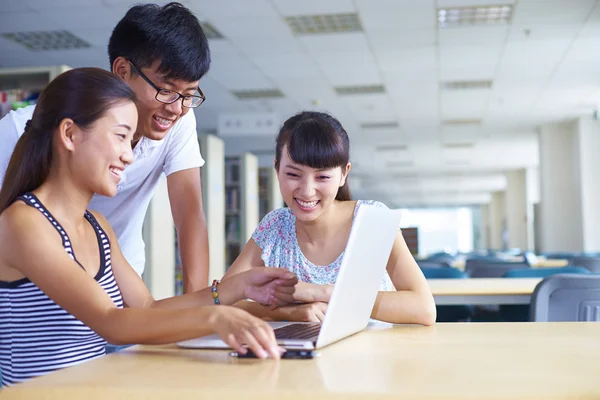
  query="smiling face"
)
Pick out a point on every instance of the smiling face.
point(156, 118)
point(307, 191)
point(101, 153)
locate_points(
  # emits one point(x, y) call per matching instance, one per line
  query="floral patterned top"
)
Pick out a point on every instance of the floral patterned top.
point(276, 236)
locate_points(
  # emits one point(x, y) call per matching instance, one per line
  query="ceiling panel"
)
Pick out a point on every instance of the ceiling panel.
point(334, 42)
point(463, 104)
point(397, 14)
point(469, 56)
point(411, 77)
point(534, 32)
point(392, 39)
point(287, 66)
point(50, 5)
point(237, 72)
point(12, 6)
point(415, 57)
point(257, 46)
point(92, 57)
point(553, 12)
point(27, 21)
point(488, 36)
point(314, 7)
point(468, 72)
point(471, 3)
point(259, 27)
point(79, 17)
point(95, 37)
point(412, 102)
point(223, 9)
point(370, 107)
point(347, 69)
point(542, 53)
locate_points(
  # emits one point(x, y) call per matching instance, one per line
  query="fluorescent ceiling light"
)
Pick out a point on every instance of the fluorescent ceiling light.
point(327, 23)
point(475, 15)
point(47, 40)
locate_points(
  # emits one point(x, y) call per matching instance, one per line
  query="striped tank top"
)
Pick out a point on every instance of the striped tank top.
point(37, 336)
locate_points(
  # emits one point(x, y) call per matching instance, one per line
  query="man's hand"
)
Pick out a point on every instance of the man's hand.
point(268, 286)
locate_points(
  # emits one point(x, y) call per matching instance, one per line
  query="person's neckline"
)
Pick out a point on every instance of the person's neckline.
point(304, 258)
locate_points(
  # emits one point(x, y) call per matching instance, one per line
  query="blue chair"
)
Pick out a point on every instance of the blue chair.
point(544, 272)
point(432, 264)
point(449, 313)
point(568, 297)
point(491, 269)
point(520, 312)
point(590, 263)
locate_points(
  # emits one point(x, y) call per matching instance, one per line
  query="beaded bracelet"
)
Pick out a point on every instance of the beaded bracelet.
point(215, 293)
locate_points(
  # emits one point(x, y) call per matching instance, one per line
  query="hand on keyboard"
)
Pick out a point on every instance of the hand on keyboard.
point(309, 312)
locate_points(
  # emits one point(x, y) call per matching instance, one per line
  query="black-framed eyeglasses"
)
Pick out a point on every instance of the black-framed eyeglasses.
point(170, 96)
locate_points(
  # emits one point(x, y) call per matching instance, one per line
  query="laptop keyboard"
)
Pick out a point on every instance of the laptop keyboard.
point(298, 331)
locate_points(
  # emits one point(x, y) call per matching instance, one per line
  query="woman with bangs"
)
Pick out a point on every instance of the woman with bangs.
point(309, 237)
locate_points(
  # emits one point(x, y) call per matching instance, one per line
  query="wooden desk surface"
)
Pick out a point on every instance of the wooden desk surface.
point(445, 361)
point(542, 263)
point(482, 286)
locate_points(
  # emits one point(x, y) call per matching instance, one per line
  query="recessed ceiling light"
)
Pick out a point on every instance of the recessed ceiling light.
point(458, 145)
point(463, 85)
point(47, 40)
point(327, 23)
point(474, 15)
point(379, 125)
point(392, 147)
point(462, 121)
point(258, 94)
point(366, 89)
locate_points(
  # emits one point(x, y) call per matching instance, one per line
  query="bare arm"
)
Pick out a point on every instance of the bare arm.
point(412, 302)
point(185, 196)
point(48, 266)
point(259, 284)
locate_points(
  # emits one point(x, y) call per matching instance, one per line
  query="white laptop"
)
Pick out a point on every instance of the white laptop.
point(361, 272)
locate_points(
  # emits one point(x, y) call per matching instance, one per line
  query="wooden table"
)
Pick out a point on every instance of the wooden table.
point(541, 263)
point(550, 263)
point(444, 361)
point(483, 290)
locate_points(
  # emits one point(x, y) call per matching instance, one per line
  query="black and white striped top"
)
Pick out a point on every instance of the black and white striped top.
point(37, 336)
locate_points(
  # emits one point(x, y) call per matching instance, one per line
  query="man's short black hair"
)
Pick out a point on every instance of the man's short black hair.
point(171, 34)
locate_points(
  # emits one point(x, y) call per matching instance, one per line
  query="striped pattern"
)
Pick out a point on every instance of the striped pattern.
point(36, 335)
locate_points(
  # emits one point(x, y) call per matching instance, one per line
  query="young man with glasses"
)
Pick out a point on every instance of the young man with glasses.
point(162, 53)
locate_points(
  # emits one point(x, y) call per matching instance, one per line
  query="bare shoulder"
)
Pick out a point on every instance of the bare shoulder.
point(19, 217)
point(21, 224)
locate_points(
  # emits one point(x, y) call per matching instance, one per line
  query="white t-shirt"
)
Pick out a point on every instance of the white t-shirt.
point(179, 150)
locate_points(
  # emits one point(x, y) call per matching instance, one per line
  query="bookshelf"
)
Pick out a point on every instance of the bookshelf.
point(411, 237)
point(241, 203)
point(21, 86)
point(269, 196)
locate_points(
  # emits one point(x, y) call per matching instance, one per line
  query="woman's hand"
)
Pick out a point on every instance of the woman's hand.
point(310, 293)
point(311, 312)
point(238, 328)
point(268, 286)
